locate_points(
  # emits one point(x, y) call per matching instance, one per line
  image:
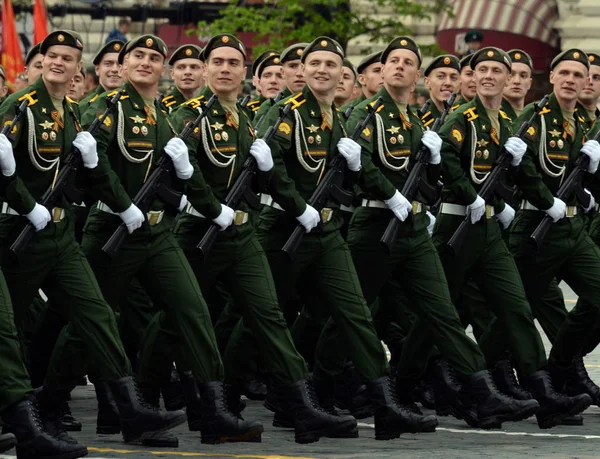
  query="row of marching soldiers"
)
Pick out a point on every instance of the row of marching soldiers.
point(244, 310)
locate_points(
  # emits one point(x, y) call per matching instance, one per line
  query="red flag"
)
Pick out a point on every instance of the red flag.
point(12, 58)
point(40, 21)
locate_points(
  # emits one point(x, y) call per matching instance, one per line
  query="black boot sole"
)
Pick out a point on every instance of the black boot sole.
point(8, 443)
point(345, 430)
point(555, 419)
point(362, 412)
point(108, 430)
point(129, 437)
point(387, 433)
point(251, 436)
point(71, 455)
point(572, 421)
point(495, 422)
point(160, 443)
point(71, 427)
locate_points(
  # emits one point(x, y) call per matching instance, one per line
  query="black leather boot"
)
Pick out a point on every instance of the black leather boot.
point(425, 394)
point(406, 394)
point(158, 439)
point(192, 400)
point(7, 441)
point(107, 419)
point(554, 406)
point(139, 419)
point(578, 381)
point(391, 418)
point(351, 393)
point(493, 407)
point(23, 421)
point(49, 407)
point(217, 423)
point(172, 392)
point(445, 386)
point(506, 380)
point(68, 421)
point(575, 420)
point(254, 390)
point(311, 421)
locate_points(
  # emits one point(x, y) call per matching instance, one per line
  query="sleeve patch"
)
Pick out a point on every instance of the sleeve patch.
point(367, 133)
point(108, 121)
point(196, 132)
point(457, 135)
point(531, 132)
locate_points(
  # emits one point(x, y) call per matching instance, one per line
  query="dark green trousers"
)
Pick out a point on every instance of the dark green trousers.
point(324, 267)
point(14, 379)
point(568, 252)
point(238, 261)
point(485, 259)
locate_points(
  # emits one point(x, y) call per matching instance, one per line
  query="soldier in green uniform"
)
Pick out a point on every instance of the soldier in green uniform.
point(587, 103)
point(303, 146)
point(554, 144)
point(106, 66)
point(519, 85)
point(473, 136)
point(186, 72)
point(468, 88)
point(369, 78)
point(441, 79)
point(33, 64)
point(255, 104)
point(54, 259)
point(345, 89)
point(292, 77)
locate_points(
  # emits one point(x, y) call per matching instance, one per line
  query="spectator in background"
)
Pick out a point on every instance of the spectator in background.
point(473, 39)
point(120, 32)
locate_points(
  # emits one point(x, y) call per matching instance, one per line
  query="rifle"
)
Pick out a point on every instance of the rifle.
point(155, 186)
point(274, 100)
point(414, 180)
point(241, 188)
point(245, 101)
point(425, 108)
point(495, 181)
point(6, 130)
point(330, 185)
point(571, 185)
point(349, 111)
point(64, 181)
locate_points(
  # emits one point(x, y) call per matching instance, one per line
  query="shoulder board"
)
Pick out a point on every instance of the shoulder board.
point(112, 94)
point(471, 114)
point(166, 98)
point(504, 115)
point(424, 119)
point(195, 102)
point(255, 108)
point(545, 110)
point(296, 100)
point(168, 104)
point(71, 100)
point(580, 118)
point(94, 99)
point(455, 106)
point(30, 96)
point(252, 103)
point(373, 104)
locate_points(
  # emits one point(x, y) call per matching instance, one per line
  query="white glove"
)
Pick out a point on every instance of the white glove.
point(132, 217)
point(434, 143)
point(399, 205)
point(517, 148)
point(182, 203)
point(178, 152)
point(476, 209)
point(7, 158)
point(592, 201)
point(225, 218)
point(592, 149)
point(506, 216)
point(310, 218)
point(39, 217)
point(558, 210)
point(86, 144)
point(262, 153)
point(431, 223)
point(350, 150)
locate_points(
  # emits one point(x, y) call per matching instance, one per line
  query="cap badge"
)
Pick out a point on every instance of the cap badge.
point(403, 42)
point(117, 47)
point(225, 39)
point(446, 60)
point(188, 52)
point(299, 52)
point(60, 38)
point(149, 42)
point(576, 55)
point(490, 54)
point(323, 43)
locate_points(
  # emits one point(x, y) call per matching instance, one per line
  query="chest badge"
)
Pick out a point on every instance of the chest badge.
point(554, 133)
point(135, 129)
point(137, 119)
point(482, 143)
point(394, 130)
point(225, 136)
point(217, 126)
point(312, 128)
point(46, 124)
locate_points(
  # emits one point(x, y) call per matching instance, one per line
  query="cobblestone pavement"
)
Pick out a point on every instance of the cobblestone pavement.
point(452, 440)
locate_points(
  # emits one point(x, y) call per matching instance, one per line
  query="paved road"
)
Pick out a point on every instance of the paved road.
point(452, 440)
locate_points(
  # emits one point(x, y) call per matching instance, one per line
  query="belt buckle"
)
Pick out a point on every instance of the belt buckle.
point(56, 214)
point(416, 207)
point(154, 217)
point(571, 211)
point(326, 213)
point(489, 212)
point(240, 217)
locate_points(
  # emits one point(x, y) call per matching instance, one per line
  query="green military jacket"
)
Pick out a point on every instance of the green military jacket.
point(41, 141)
point(470, 148)
point(129, 143)
point(218, 151)
point(302, 147)
point(430, 116)
point(254, 105)
point(266, 105)
point(90, 99)
point(353, 103)
point(172, 101)
point(460, 101)
point(580, 111)
point(389, 144)
point(551, 154)
point(507, 108)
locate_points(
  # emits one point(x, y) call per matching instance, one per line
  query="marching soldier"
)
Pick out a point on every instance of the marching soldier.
point(54, 260)
point(186, 72)
point(271, 55)
point(76, 89)
point(473, 136)
point(587, 103)
point(467, 82)
point(33, 64)
point(519, 85)
point(106, 63)
point(302, 148)
point(269, 78)
point(369, 78)
point(442, 79)
point(345, 89)
point(554, 144)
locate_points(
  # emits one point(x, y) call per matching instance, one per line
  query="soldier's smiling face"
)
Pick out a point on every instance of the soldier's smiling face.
point(491, 78)
point(271, 80)
point(520, 81)
point(293, 75)
point(225, 70)
point(144, 66)
point(591, 92)
point(323, 71)
point(188, 74)
point(401, 69)
point(468, 88)
point(60, 64)
point(109, 71)
point(442, 82)
point(569, 78)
